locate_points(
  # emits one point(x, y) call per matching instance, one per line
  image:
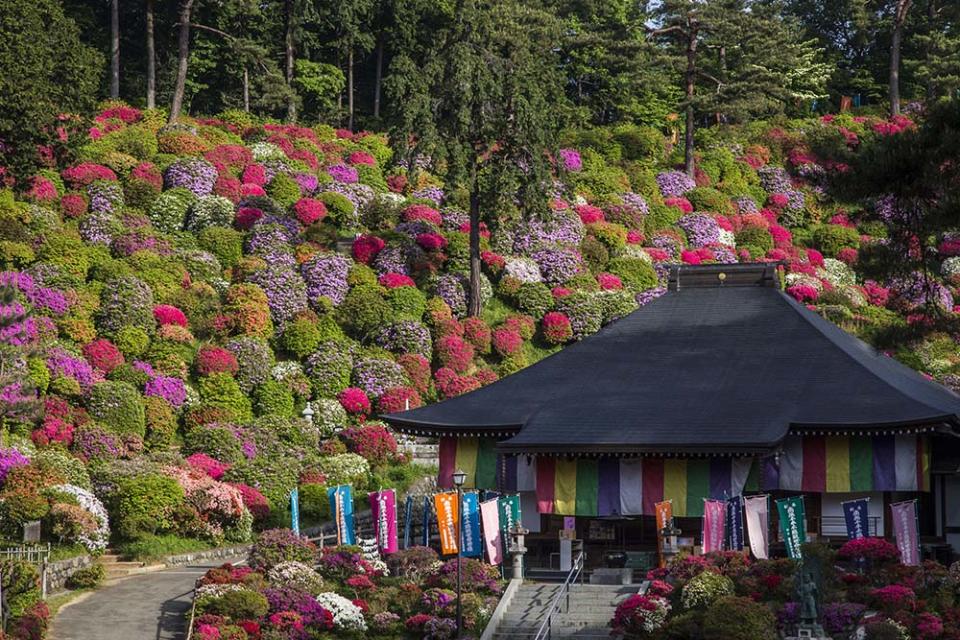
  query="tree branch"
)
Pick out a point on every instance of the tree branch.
point(204, 27)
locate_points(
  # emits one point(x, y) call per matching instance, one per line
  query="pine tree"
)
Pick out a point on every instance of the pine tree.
point(936, 62)
point(482, 104)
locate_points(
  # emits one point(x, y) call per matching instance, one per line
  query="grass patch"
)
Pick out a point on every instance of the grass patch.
point(495, 311)
point(55, 603)
point(67, 551)
point(149, 547)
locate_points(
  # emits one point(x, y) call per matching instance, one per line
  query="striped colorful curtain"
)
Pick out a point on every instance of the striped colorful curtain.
point(632, 486)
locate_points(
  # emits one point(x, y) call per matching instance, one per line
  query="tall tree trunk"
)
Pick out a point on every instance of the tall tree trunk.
point(115, 49)
point(246, 89)
point(183, 57)
point(379, 78)
point(900, 15)
point(474, 307)
point(350, 87)
point(151, 60)
point(288, 55)
point(690, 80)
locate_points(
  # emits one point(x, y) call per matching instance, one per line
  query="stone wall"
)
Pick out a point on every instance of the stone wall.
point(205, 556)
point(59, 571)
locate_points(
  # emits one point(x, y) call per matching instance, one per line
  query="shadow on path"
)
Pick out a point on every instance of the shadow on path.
point(151, 606)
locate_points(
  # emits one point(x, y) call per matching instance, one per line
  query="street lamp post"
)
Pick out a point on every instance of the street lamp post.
point(459, 477)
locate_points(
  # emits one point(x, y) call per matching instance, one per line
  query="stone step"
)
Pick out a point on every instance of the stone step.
point(109, 558)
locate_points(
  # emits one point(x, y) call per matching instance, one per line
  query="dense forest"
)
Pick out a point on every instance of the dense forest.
point(385, 64)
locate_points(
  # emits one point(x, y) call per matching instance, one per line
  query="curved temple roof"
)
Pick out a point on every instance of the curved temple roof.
point(712, 366)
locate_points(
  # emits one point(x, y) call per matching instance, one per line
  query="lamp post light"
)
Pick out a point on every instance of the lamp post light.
point(459, 477)
point(307, 413)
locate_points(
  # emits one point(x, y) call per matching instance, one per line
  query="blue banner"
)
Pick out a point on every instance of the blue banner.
point(856, 513)
point(407, 522)
point(735, 523)
point(427, 508)
point(470, 526)
point(295, 511)
point(341, 507)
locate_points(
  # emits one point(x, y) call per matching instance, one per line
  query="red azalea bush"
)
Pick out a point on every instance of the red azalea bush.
point(609, 282)
point(454, 352)
point(103, 355)
point(803, 293)
point(362, 157)
point(422, 212)
point(228, 187)
point(556, 328)
point(73, 205)
point(246, 217)
point(680, 203)
point(54, 430)
point(308, 211)
point(814, 257)
point(893, 598)
point(635, 237)
point(493, 262)
point(210, 466)
point(450, 384)
point(431, 241)
point(248, 190)
point(477, 332)
point(848, 255)
point(397, 183)
point(211, 359)
point(417, 368)
point(590, 214)
point(255, 174)
point(876, 549)
point(87, 173)
point(372, 441)
point(506, 342)
point(395, 280)
point(167, 314)
point(639, 615)
point(778, 200)
point(523, 324)
point(366, 247)
point(354, 400)
point(398, 399)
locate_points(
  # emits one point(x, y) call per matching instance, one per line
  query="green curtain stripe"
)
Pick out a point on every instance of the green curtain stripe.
point(588, 486)
point(753, 478)
point(861, 464)
point(698, 485)
point(487, 464)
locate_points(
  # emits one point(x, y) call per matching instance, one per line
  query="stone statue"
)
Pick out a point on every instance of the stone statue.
point(809, 596)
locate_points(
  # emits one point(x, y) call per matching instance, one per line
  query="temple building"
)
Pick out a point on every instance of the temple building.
point(722, 386)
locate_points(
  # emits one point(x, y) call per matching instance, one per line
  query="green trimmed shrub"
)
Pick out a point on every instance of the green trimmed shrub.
point(245, 604)
point(756, 237)
point(535, 299)
point(339, 208)
point(226, 244)
point(125, 302)
point(217, 441)
point(284, 190)
point(595, 253)
point(169, 210)
point(132, 341)
point(274, 398)
point(738, 618)
point(210, 211)
point(661, 217)
point(704, 589)
point(612, 235)
point(635, 273)
point(301, 337)
point(145, 504)
point(831, 238)
point(707, 200)
point(87, 578)
point(638, 143)
point(360, 275)
point(407, 303)
point(221, 391)
point(364, 310)
point(117, 405)
point(161, 423)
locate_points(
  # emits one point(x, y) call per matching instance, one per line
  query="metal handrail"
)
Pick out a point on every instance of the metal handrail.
point(576, 571)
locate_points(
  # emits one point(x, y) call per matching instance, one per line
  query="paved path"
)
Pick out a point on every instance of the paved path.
point(149, 606)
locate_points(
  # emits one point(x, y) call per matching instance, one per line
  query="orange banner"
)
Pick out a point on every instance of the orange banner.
point(664, 511)
point(664, 514)
point(447, 521)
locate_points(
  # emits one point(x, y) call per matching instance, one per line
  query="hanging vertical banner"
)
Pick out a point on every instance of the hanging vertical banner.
point(735, 523)
point(793, 525)
point(427, 507)
point(470, 526)
point(341, 506)
point(714, 525)
point(383, 508)
point(447, 521)
point(856, 515)
point(758, 525)
point(664, 513)
point(509, 516)
point(295, 511)
point(492, 537)
point(407, 522)
point(905, 532)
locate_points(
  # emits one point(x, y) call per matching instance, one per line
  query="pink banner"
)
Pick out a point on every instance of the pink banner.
point(758, 525)
point(490, 517)
point(714, 525)
point(383, 505)
point(905, 531)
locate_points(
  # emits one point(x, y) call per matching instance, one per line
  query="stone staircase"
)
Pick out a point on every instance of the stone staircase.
point(588, 617)
point(117, 569)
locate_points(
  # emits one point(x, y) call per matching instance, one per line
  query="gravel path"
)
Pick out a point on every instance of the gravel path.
point(149, 606)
